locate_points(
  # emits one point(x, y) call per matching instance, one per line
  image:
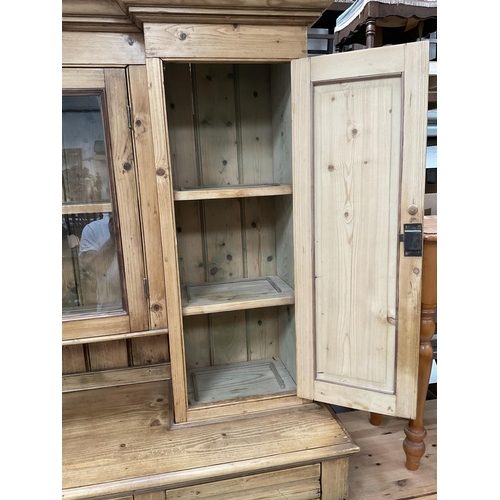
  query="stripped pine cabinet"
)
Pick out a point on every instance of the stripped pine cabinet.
point(262, 198)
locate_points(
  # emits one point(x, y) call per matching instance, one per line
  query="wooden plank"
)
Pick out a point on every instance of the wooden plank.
point(144, 154)
point(167, 223)
point(216, 124)
point(156, 495)
point(86, 208)
point(108, 355)
point(302, 222)
point(103, 24)
point(197, 341)
point(93, 458)
point(82, 78)
point(248, 293)
point(262, 333)
point(241, 409)
point(255, 124)
point(127, 198)
point(179, 96)
point(281, 123)
point(149, 350)
point(115, 378)
point(286, 338)
point(228, 337)
point(73, 359)
point(412, 192)
point(102, 49)
point(232, 192)
point(235, 5)
point(96, 8)
point(115, 336)
point(230, 42)
point(267, 479)
point(95, 327)
point(189, 242)
point(223, 240)
point(334, 475)
point(260, 243)
point(359, 64)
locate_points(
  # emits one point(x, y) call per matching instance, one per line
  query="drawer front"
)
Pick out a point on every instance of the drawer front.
point(298, 483)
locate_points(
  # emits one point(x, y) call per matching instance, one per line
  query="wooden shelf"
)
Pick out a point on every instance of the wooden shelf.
point(86, 208)
point(249, 293)
point(240, 191)
point(238, 380)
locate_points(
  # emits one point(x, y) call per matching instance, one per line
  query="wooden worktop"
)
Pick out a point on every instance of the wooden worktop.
point(116, 440)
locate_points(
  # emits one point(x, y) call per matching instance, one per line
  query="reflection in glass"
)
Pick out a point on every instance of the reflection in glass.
point(90, 271)
point(85, 177)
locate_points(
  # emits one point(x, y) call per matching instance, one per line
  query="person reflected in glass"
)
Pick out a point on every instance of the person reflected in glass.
point(99, 265)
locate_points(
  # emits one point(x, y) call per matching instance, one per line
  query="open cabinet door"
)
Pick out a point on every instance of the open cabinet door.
point(359, 143)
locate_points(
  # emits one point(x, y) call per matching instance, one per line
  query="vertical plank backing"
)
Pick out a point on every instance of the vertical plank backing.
point(73, 359)
point(287, 343)
point(167, 225)
point(127, 198)
point(149, 350)
point(197, 341)
point(224, 248)
point(143, 145)
point(260, 241)
point(281, 123)
point(262, 333)
point(228, 335)
point(108, 355)
point(216, 123)
point(178, 91)
point(156, 495)
point(190, 241)
point(255, 124)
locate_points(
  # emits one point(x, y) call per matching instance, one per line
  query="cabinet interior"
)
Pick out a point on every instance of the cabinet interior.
point(229, 129)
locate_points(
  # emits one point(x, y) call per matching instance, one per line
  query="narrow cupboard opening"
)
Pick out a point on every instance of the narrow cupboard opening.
point(229, 131)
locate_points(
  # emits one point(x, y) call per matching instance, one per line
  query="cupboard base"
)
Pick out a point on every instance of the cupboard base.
point(117, 444)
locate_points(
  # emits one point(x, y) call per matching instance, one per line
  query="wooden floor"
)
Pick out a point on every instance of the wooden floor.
point(378, 471)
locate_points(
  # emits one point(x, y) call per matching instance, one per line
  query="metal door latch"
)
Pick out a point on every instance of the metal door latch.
point(412, 239)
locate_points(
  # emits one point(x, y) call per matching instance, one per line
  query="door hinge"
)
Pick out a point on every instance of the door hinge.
point(145, 288)
point(129, 119)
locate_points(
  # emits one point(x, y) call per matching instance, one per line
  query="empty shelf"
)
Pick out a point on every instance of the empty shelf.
point(249, 293)
point(238, 380)
point(213, 193)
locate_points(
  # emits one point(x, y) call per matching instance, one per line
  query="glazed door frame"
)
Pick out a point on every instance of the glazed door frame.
point(111, 84)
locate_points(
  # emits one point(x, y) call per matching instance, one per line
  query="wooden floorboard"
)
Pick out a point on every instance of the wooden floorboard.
point(378, 471)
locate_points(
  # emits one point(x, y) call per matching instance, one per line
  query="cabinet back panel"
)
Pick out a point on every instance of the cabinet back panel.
point(228, 124)
point(222, 338)
point(98, 356)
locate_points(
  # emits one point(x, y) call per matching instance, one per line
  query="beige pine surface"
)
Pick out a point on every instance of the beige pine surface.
point(378, 471)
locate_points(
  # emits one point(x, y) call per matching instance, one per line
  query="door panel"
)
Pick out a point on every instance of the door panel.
point(358, 298)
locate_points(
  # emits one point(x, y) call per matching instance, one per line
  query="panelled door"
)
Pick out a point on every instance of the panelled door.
point(359, 130)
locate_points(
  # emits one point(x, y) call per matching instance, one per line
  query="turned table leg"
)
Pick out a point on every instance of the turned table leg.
point(413, 445)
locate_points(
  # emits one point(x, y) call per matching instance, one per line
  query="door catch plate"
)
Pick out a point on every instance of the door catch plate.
point(412, 239)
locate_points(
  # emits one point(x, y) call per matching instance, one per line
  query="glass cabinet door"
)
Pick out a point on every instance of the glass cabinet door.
point(103, 271)
point(91, 274)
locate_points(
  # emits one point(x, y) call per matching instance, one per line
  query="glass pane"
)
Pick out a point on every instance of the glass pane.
point(90, 272)
point(91, 280)
point(85, 173)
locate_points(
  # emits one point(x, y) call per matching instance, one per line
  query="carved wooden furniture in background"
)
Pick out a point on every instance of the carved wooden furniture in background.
point(382, 22)
point(414, 445)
